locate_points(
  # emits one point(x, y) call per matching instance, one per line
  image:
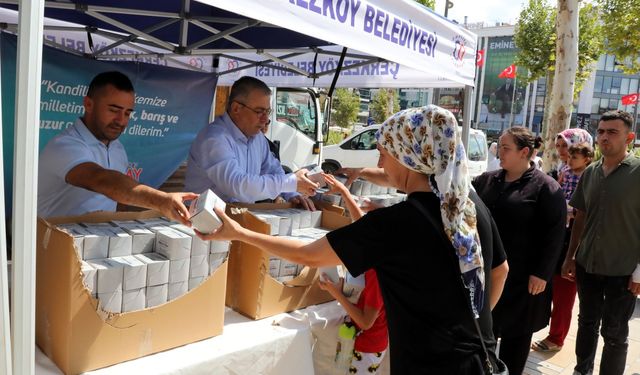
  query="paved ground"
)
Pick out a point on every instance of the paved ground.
point(562, 362)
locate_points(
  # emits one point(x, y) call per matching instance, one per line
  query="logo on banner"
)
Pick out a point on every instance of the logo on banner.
point(459, 50)
point(133, 171)
point(232, 64)
point(196, 62)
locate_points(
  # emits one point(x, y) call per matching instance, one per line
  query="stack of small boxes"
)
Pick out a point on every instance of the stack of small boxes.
point(364, 190)
point(295, 224)
point(132, 265)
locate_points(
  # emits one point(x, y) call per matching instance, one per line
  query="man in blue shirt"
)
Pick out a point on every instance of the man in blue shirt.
point(231, 157)
point(82, 169)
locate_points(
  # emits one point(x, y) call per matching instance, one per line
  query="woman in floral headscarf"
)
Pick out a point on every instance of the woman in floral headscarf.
point(430, 310)
point(530, 212)
point(564, 140)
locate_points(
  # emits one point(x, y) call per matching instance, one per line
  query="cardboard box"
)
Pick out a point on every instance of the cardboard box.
point(203, 218)
point(251, 290)
point(79, 337)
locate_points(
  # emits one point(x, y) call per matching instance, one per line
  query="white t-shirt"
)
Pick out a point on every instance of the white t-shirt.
point(74, 146)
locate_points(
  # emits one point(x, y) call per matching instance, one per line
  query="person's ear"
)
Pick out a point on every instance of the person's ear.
point(88, 104)
point(630, 138)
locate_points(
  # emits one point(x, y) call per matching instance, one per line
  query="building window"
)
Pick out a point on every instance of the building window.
point(633, 86)
point(595, 105)
point(615, 85)
point(601, 62)
point(606, 85)
point(609, 67)
point(598, 85)
point(624, 87)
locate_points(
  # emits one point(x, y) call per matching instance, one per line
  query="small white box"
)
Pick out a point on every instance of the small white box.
point(111, 301)
point(316, 219)
point(305, 219)
point(295, 219)
point(199, 266)
point(366, 188)
point(215, 260)
point(95, 246)
point(352, 287)
point(78, 233)
point(272, 220)
point(287, 268)
point(153, 221)
point(179, 270)
point(110, 275)
point(133, 300)
point(142, 239)
point(157, 268)
point(356, 187)
point(195, 281)
point(198, 246)
point(135, 273)
point(220, 246)
point(331, 272)
point(89, 276)
point(203, 218)
point(177, 289)
point(284, 228)
point(157, 295)
point(274, 266)
point(120, 242)
point(173, 244)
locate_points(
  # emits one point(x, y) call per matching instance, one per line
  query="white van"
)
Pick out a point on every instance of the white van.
point(359, 151)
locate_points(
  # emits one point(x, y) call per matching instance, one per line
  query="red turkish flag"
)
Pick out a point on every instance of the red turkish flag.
point(630, 99)
point(480, 58)
point(509, 72)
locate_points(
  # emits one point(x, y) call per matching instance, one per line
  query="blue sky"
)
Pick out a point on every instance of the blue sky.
point(488, 11)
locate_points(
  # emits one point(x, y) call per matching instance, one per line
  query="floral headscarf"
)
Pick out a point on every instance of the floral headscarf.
point(574, 136)
point(427, 140)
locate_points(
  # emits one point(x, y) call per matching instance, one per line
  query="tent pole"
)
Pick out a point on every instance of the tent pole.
point(5, 326)
point(25, 183)
point(466, 115)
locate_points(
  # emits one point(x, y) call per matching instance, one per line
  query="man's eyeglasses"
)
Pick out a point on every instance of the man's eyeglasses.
point(260, 112)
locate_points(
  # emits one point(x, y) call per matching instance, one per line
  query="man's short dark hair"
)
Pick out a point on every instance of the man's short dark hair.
point(244, 86)
point(617, 114)
point(115, 78)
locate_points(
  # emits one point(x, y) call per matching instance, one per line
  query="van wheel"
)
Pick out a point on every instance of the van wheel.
point(330, 167)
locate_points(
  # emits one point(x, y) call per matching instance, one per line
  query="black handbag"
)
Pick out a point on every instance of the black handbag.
point(489, 368)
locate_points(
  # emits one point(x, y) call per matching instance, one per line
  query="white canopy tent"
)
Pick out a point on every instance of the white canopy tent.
point(439, 52)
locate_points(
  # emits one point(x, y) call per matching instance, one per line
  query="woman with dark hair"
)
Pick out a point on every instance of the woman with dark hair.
point(529, 209)
point(535, 159)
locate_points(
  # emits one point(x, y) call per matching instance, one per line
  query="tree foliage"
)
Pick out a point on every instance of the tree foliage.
point(620, 29)
point(535, 36)
point(346, 104)
point(428, 3)
point(379, 107)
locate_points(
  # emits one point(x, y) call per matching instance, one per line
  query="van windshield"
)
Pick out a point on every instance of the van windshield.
point(477, 148)
point(297, 110)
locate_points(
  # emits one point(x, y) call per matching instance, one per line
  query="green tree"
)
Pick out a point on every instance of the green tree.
point(620, 29)
point(535, 36)
point(346, 104)
point(428, 3)
point(379, 107)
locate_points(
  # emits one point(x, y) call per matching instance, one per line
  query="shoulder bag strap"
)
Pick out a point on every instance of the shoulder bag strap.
point(448, 244)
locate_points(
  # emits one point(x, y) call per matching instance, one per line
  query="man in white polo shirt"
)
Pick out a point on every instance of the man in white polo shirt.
point(82, 169)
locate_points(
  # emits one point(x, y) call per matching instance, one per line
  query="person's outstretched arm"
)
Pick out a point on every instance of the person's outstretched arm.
point(123, 189)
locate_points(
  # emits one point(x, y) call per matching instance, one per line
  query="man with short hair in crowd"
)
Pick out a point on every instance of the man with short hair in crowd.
point(82, 169)
point(604, 253)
